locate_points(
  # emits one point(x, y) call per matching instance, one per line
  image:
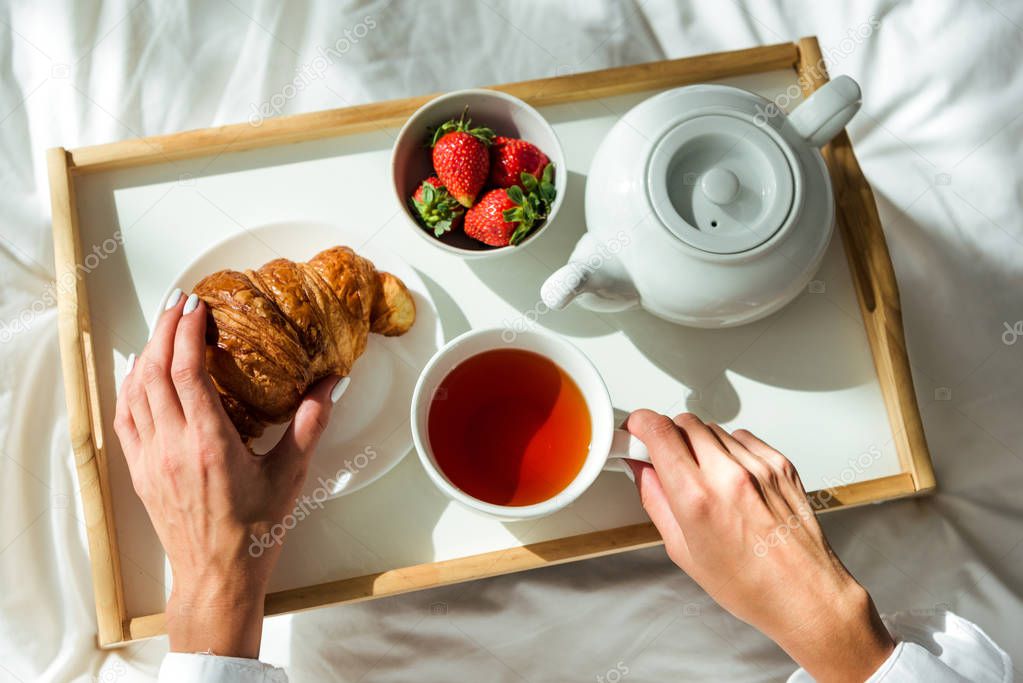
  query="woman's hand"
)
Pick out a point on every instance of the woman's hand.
point(206, 493)
point(735, 517)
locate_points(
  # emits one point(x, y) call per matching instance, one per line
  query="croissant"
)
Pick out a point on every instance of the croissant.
point(273, 332)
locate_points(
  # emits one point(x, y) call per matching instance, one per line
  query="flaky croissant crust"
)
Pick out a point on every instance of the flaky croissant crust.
point(274, 331)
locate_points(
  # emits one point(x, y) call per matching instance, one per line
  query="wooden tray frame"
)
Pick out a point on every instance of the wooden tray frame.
point(858, 220)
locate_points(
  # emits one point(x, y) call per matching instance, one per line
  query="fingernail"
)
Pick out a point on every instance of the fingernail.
point(339, 389)
point(191, 303)
point(173, 299)
point(131, 363)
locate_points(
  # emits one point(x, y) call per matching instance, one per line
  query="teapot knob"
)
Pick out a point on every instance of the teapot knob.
point(719, 185)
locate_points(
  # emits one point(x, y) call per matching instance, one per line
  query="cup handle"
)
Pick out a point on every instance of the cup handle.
point(624, 446)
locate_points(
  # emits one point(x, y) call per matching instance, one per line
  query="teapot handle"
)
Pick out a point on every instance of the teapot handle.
point(826, 112)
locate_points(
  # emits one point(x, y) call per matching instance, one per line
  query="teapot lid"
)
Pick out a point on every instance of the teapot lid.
point(721, 183)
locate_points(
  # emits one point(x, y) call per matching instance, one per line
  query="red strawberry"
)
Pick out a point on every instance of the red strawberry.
point(506, 215)
point(485, 221)
point(511, 157)
point(460, 158)
point(435, 206)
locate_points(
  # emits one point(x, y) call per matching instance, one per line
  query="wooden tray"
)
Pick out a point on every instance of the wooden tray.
point(869, 273)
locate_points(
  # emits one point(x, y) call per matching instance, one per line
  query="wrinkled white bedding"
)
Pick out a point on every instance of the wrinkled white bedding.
point(940, 138)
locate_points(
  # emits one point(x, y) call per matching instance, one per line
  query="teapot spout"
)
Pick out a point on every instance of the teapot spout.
point(594, 276)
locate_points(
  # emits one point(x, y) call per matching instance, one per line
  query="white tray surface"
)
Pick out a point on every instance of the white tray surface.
point(803, 378)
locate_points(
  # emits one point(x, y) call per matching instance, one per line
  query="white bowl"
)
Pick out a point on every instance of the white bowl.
point(506, 115)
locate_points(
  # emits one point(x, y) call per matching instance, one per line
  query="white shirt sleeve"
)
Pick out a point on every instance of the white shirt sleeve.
point(937, 647)
point(178, 667)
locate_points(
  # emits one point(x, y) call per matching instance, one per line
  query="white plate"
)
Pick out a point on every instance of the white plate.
point(369, 429)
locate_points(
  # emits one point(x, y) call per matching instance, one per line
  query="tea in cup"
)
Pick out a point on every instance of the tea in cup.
point(518, 429)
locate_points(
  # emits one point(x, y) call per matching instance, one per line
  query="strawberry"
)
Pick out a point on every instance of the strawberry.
point(460, 158)
point(486, 222)
point(435, 206)
point(506, 215)
point(511, 157)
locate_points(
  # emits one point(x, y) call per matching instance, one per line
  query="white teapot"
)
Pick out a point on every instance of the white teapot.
point(707, 206)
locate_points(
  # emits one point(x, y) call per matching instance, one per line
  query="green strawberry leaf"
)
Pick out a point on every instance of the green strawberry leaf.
point(464, 125)
point(548, 193)
point(515, 194)
point(520, 233)
point(524, 218)
point(531, 205)
point(528, 181)
point(441, 227)
point(436, 207)
point(483, 134)
point(548, 173)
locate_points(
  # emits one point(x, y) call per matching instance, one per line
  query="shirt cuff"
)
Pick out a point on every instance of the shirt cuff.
point(909, 662)
point(957, 643)
point(179, 667)
point(937, 647)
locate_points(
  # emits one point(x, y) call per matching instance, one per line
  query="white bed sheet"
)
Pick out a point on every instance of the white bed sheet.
point(939, 137)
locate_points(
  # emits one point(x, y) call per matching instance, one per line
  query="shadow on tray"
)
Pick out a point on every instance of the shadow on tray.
point(772, 351)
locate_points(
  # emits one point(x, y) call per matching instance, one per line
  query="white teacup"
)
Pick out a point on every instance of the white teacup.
point(608, 445)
